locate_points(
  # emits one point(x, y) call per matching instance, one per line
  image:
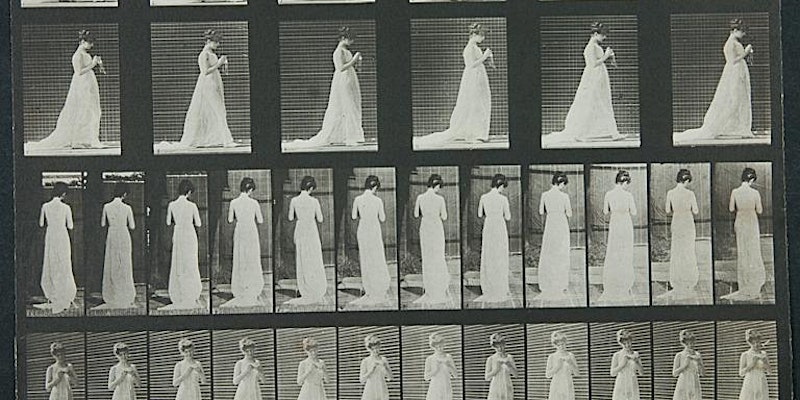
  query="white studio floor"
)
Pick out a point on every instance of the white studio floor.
point(238, 149)
point(759, 140)
point(108, 149)
point(196, 2)
point(628, 142)
point(363, 147)
point(495, 142)
point(72, 3)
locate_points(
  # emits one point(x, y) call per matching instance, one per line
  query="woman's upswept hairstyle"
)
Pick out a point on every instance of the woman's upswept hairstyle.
point(477, 28)
point(435, 180)
point(623, 177)
point(684, 176)
point(749, 174)
point(559, 177)
point(211, 35)
point(86, 36)
point(598, 27)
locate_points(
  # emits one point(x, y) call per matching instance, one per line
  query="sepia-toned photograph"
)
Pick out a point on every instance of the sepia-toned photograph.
point(244, 363)
point(369, 362)
point(680, 234)
point(555, 237)
point(328, 80)
point(744, 270)
point(182, 241)
point(721, 79)
point(116, 365)
point(116, 268)
point(684, 357)
point(201, 87)
point(492, 237)
point(459, 88)
point(71, 90)
point(241, 274)
point(430, 239)
point(590, 81)
point(618, 259)
point(54, 243)
point(305, 264)
point(432, 362)
point(366, 267)
point(558, 361)
point(494, 362)
point(307, 363)
point(180, 365)
point(620, 360)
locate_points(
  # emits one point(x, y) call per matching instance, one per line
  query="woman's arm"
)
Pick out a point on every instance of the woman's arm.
point(631, 204)
point(745, 364)
point(506, 209)
point(732, 203)
point(759, 207)
point(318, 211)
point(442, 209)
point(389, 373)
point(169, 214)
point(617, 364)
point(512, 366)
point(240, 372)
point(606, 205)
point(137, 380)
point(113, 379)
point(591, 59)
point(491, 369)
point(70, 223)
point(695, 208)
point(679, 364)
point(325, 377)
point(196, 216)
point(541, 204)
point(103, 217)
point(205, 64)
point(77, 64)
point(416, 208)
point(365, 370)
point(177, 376)
point(302, 373)
point(354, 210)
point(51, 379)
point(339, 62)
point(668, 204)
point(41, 217)
point(291, 210)
point(202, 373)
point(381, 211)
point(576, 371)
point(471, 62)
point(553, 365)
point(481, 213)
point(430, 369)
point(131, 220)
point(701, 367)
point(259, 215)
point(452, 366)
point(231, 213)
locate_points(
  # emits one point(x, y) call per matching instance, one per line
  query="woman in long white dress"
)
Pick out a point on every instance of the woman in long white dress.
point(688, 368)
point(123, 377)
point(591, 115)
point(58, 281)
point(312, 373)
point(118, 287)
point(618, 273)
point(561, 368)
point(374, 371)
point(626, 366)
point(435, 276)
point(754, 367)
point(439, 369)
point(750, 272)
point(371, 253)
point(554, 256)
point(500, 367)
point(471, 116)
point(206, 123)
point(188, 374)
point(248, 373)
point(342, 121)
point(730, 114)
point(60, 376)
point(311, 280)
point(494, 243)
point(78, 124)
point(185, 286)
point(683, 272)
point(247, 277)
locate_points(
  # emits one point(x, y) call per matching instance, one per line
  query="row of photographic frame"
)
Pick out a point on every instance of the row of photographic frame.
point(381, 238)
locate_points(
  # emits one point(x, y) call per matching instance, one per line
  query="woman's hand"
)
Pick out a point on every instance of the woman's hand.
point(608, 53)
point(488, 54)
point(358, 56)
point(748, 49)
point(96, 61)
point(222, 61)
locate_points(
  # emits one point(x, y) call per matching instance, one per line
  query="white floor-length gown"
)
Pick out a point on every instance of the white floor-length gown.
point(688, 385)
point(754, 386)
point(435, 276)
point(249, 387)
point(554, 256)
point(342, 121)
point(78, 124)
point(683, 272)
point(206, 123)
point(58, 281)
point(500, 387)
point(618, 272)
point(185, 285)
point(494, 247)
point(247, 276)
point(371, 252)
point(626, 382)
point(471, 116)
point(373, 375)
point(126, 388)
point(313, 386)
point(63, 389)
point(118, 287)
point(438, 371)
point(750, 271)
point(189, 388)
point(311, 280)
point(730, 112)
point(591, 115)
point(560, 371)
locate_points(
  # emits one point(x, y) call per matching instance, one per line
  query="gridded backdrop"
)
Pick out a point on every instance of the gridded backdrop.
point(477, 350)
point(666, 345)
point(697, 62)
point(539, 348)
point(563, 39)
point(437, 65)
point(262, 194)
point(285, 266)
point(728, 176)
point(603, 342)
point(416, 350)
point(731, 345)
point(290, 353)
point(306, 49)
point(349, 264)
point(47, 73)
point(164, 355)
point(352, 351)
point(38, 358)
point(411, 262)
point(174, 52)
point(100, 358)
point(225, 347)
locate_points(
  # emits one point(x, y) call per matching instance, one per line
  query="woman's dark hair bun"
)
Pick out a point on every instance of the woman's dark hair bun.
point(598, 27)
point(345, 33)
point(212, 35)
point(684, 175)
point(499, 180)
point(86, 36)
point(477, 28)
point(623, 176)
point(559, 177)
point(308, 183)
point(749, 174)
point(435, 180)
point(737, 24)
